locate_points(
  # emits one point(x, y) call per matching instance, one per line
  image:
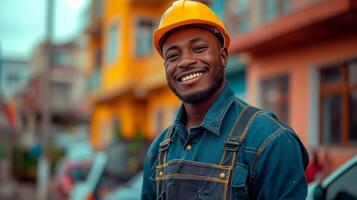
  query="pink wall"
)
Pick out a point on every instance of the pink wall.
point(298, 62)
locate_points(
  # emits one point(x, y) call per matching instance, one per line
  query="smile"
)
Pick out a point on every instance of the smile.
point(191, 76)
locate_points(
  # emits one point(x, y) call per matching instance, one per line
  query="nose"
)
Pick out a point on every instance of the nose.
point(186, 61)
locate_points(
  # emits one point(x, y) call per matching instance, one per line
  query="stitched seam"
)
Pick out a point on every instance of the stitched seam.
point(195, 163)
point(246, 128)
point(261, 150)
point(241, 164)
point(250, 150)
point(194, 177)
point(225, 111)
point(237, 121)
point(238, 101)
point(230, 174)
point(213, 130)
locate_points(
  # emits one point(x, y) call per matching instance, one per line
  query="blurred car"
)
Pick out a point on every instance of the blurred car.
point(110, 170)
point(69, 173)
point(83, 189)
point(130, 191)
point(339, 185)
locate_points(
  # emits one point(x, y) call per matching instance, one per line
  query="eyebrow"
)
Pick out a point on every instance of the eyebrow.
point(192, 41)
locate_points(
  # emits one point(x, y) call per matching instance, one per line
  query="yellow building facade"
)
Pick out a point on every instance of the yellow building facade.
point(127, 88)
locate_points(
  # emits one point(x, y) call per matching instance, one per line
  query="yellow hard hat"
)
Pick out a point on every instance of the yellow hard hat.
point(185, 12)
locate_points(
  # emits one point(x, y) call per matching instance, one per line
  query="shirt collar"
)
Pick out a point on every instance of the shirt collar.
point(214, 117)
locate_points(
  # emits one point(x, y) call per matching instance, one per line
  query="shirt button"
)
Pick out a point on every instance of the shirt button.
point(161, 174)
point(188, 147)
point(222, 175)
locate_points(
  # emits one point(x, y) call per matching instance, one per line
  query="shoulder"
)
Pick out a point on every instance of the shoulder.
point(266, 132)
point(266, 128)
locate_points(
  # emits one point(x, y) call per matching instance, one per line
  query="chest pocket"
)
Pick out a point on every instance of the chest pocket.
point(239, 182)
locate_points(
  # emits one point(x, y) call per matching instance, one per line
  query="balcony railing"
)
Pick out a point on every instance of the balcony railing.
point(246, 15)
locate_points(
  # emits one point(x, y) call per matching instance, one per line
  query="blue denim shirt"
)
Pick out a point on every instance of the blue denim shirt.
point(270, 164)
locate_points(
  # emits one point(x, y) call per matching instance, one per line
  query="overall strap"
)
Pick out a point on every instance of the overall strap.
point(163, 149)
point(238, 134)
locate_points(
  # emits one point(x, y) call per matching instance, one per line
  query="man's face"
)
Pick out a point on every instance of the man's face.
point(194, 62)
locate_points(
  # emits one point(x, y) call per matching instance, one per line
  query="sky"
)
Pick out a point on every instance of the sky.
point(22, 24)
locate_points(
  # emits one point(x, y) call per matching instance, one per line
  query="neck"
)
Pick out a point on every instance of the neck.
point(195, 113)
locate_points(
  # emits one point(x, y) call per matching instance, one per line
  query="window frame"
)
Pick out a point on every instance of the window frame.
point(283, 99)
point(116, 55)
point(343, 88)
point(137, 19)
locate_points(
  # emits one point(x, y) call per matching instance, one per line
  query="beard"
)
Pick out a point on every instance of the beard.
point(201, 95)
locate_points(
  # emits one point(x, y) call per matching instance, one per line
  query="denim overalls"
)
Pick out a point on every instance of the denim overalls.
point(182, 179)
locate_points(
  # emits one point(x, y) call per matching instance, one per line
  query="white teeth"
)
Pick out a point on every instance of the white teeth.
point(191, 76)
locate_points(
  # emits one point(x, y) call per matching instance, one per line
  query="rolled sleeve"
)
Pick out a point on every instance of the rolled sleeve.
point(279, 168)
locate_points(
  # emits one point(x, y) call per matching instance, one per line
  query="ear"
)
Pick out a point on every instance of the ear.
point(224, 57)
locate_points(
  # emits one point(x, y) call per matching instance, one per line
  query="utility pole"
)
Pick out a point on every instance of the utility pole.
point(43, 172)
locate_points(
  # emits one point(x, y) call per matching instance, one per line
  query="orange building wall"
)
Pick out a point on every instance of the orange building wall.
point(100, 130)
point(298, 62)
point(165, 99)
point(116, 73)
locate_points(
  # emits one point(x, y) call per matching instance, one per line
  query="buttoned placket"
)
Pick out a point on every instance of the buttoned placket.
point(190, 142)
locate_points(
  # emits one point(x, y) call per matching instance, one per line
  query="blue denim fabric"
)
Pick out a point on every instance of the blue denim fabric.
point(270, 164)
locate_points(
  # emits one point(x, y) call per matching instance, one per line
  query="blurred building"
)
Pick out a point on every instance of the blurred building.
point(66, 85)
point(14, 74)
point(302, 65)
point(127, 87)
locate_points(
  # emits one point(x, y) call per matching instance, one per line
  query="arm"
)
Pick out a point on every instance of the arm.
point(149, 185)
point(150, 162)
point(279, 168)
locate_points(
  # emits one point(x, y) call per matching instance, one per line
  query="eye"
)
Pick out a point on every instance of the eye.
point(172, 57)
point(199, 49)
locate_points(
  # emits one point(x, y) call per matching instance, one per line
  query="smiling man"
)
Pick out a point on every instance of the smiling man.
point(218, 147)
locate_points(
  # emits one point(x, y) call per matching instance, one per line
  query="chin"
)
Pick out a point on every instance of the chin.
point(196, 97)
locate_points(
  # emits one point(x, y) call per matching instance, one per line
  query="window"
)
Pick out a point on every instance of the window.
point(113, 43)
point(95, 79)
point(273, 8)
point(237, 16)
point(275, 93)
point(60, 57)
point(60, 92)
point(97, 58)
point(338, 104)
point(143, 40)
point(12, 78)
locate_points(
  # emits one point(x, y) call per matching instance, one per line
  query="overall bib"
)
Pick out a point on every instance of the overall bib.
point(189, 180)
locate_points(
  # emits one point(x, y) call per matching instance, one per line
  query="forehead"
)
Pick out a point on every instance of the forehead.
point(186, 34)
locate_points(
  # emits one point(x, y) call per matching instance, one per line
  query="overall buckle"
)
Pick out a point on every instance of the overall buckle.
point(231, 145)
point(164, 145)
